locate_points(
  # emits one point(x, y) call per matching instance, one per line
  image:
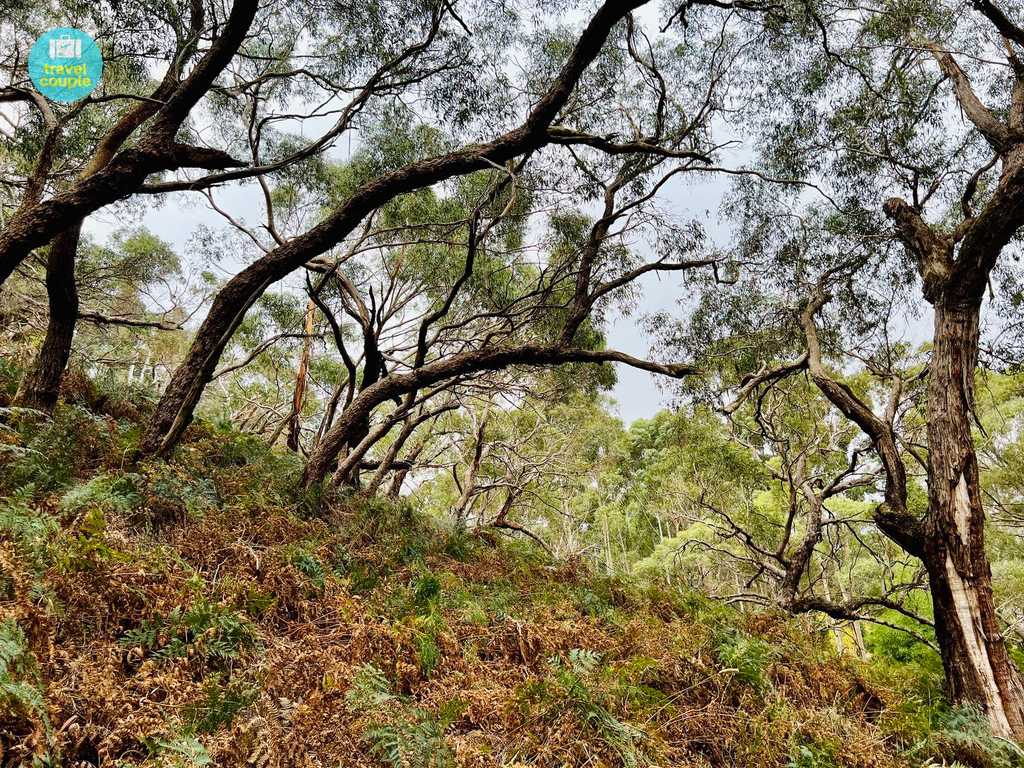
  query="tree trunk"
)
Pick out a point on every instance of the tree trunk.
point(391, 455)
point(855, 629)
point(395, 489)
point(974, 654)
point(41, 385)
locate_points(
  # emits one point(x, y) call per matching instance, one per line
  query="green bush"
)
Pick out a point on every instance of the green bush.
point(29, 528)
point(750, 657)
point(109, 491)
point(51, 452)
point(178, 750)
point(86, 547)
point(574, 684)
point(309, 565)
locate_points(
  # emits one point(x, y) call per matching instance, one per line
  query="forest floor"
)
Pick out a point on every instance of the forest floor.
point(202, 612)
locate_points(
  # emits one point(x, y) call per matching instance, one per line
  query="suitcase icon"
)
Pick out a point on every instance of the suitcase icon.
point(65, 47)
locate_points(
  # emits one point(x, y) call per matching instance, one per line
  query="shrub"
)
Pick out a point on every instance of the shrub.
point(173, 493)
point(309, 565)
point(418, 607)
point(114, 492)
point(178, 750)
point(49, 453)
point(574, 685)
point(750, 657)
point(30, 529)
point(85, 548)
point(811, 756)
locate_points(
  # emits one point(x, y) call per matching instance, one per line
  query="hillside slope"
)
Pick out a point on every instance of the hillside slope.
point(202, 612)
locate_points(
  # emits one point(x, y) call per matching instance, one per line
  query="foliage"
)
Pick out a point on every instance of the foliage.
point(964, 735)
point(573, 685)
point(741, 579)
point(215, 631)
point(179, 750)
point(28, 527)
point(415, 739)
point(748, 657)
point(220, 704)
point(20, 692)
point(243, 623)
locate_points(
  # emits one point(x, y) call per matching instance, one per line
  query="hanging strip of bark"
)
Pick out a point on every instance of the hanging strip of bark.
point(294, 421)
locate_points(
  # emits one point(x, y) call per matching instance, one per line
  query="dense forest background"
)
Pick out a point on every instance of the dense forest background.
point(309, 447)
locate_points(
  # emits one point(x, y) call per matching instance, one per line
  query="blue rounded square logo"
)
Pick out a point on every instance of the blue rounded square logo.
point(65, 64)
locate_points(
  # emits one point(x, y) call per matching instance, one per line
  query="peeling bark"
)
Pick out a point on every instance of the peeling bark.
point(974, 654)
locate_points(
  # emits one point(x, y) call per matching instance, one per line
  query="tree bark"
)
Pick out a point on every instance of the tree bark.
point(950, 540)
point(974, 654)
point(299, 395)
point(460, 510)
point(40, 387)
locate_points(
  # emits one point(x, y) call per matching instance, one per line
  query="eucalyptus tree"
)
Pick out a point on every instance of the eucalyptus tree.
point(107, 144)
point(204, 85)
point(516, 457)
point(919, 196)
point(134, 301)
point(805, 536)
point(666, 132)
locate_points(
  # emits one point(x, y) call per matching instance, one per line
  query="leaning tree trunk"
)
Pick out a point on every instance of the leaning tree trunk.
point(41, 385)
point(974, 655)
point(174, 412)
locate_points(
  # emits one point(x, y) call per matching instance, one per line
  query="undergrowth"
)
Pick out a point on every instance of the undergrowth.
point(205, 611)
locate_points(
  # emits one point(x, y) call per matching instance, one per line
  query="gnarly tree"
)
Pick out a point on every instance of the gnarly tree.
point(959, 207)
point(253, 87)
point(114, 171)
point(646, 150)
point(109, 173)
